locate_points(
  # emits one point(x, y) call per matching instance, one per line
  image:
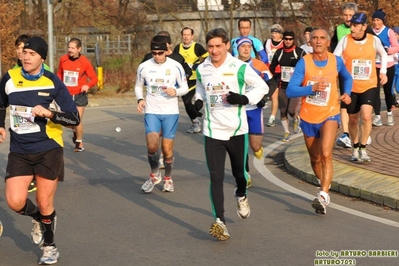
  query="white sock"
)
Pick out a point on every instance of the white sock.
point(285, 125)
point(389, 113)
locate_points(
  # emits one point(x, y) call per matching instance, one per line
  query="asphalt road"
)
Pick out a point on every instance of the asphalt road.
point(104, 218)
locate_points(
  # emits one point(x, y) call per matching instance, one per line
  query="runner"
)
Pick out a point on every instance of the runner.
point(315, 80)
point(194, 53)
point(286, 58)
point(359, 50)
point(164, 80)
point(222, 81)
point(306, 46)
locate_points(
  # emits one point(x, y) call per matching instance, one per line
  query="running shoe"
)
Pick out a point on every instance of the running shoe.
point(344, 141)
point(355, 155)
point(78, 146)
point(161, 164)
point(249, 180)
point(259, 154)
point(368, 142)
point(296, 126)
point(195, 127)
point(153, 180)
point(287, 137)
point(390, 120)
point(363, 155)
point(243, 208)
point(377, 122)
point(168, 185)
point(219, 230)
point(320, 203)
point(37, 233)
point(1, 228)
point(50, 255)
point(32, 187)
point(271, 122)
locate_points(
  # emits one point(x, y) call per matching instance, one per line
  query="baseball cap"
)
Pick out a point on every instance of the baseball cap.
point(359, 18)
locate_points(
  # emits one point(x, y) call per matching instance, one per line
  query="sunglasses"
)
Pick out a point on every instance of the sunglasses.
point(158, 53)
point(288, 39)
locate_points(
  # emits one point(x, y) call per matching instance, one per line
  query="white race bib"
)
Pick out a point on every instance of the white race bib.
point(71, 78)
point(286, 73)
point(22, 121)
point(217, 97)
point(361, 69)
point(319, 98)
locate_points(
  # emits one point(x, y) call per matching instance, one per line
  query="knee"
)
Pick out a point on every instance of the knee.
point(45, 205)
point(16, 202)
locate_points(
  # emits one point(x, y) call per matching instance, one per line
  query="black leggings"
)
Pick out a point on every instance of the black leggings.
point(389, 98)
point(215, 153)
point(287, 106)
point(188, 101)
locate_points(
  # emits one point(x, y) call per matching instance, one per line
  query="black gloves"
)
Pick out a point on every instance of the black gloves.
point(235, 98)
point(198, 106)
point(261, 103)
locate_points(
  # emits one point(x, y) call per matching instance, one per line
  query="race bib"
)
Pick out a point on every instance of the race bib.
point(319, 98)
point(71, 78)
point(286, 73)
point(361, 69)
point(217, 97)
point(22, 120)
point(271, 54)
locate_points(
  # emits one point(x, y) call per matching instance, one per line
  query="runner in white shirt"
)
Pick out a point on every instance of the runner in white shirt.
point(164, 79)
point(224, 84)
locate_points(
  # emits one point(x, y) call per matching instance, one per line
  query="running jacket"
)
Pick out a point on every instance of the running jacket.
point(222, 120)
point(318, 106)
point(157, 77)
point(257, 48)
point(21, 95)
point(76, 73)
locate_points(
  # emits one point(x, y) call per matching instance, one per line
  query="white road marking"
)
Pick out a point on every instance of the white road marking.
point(265, 172)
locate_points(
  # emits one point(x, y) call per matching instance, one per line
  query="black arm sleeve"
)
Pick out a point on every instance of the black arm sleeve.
point(2, 117)
point(66, 119)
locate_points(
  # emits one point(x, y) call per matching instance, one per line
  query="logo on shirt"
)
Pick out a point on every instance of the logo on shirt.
point(43, 93)
point(20, 83)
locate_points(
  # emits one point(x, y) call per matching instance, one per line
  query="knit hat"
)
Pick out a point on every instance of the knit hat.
point(308, 29)
point(289, 33)
point(359, 18)
point(243, 40)
point(379, 14)
point(277, 28)
point(38, 45)
point(396, 29)
point(159, 43)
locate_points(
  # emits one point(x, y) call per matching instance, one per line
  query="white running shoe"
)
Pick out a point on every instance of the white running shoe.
point(287, 137)
point(320, 203)
point(344, 141)
point(364, 156)
point(368, 141)
point(153, 180)
point(168, 185)
point(296, 126)
point(219, 230)
point(195, 127)
point(355, 155)
point(271, 122)
point(377, 122)
point(37, 233)
point(50, 255)
point(390, 120)
point(243, 208)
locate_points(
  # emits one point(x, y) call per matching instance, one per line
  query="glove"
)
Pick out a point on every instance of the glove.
point(198, 106)
point(261, 103)
point(235, 98)
point(386, 48)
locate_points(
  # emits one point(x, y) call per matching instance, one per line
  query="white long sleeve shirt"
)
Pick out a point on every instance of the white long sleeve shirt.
point(222, 120)
point(156, 78)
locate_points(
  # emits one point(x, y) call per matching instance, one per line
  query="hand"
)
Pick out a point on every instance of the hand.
point(320, 86)
point(40, 111)
point(141, 106)
point(383, 78)
point(235, 98)
point(3, 134)
point(198, 106)
point(345, 98)
point(170, 91)
point(261, 103)
point(84, 88)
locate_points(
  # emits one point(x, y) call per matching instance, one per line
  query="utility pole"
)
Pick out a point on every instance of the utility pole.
point(50, 34)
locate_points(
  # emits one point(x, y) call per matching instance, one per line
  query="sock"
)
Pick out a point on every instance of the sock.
point(30, 209)
point(389, 113)
point(362, 146)
point(347, 134)
point(168, 165)
point(356, 145)
point(153, 159)
point(273, 116)
point(285, 125)
point(49, 223)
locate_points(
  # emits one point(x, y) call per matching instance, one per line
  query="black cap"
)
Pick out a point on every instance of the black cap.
point(359, 18)
point(38, 45)
point(289, 33)
point(308, 29)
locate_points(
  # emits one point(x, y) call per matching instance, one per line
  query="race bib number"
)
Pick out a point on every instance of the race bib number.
point(270, 55)
point(217, 98)
point(361, 69)
point(158, 89)
point(71, 78)
point(286, 73)
point(319, 98)
point(22, 121)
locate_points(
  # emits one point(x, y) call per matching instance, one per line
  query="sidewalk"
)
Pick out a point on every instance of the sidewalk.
point(376, 181)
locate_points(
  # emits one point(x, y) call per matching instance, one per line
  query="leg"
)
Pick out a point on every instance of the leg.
point(237, 147)
point(365, 114)
point(79, 130)
point(188, 104)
